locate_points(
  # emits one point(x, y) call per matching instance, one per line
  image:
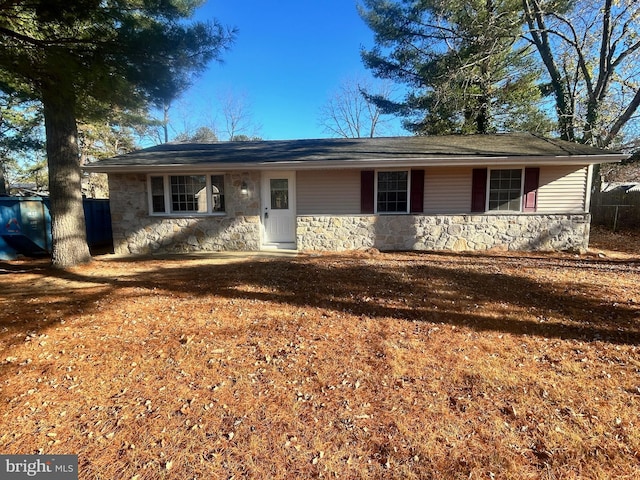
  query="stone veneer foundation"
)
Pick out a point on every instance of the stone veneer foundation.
point(444, 232)
point(136, 232)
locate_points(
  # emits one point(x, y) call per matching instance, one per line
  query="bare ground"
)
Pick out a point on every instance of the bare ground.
point(358, 365)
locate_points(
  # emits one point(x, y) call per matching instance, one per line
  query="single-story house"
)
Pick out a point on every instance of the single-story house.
point(466, 192)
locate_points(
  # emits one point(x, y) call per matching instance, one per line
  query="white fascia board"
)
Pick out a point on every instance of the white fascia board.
point(587, 193)
point(462, 161)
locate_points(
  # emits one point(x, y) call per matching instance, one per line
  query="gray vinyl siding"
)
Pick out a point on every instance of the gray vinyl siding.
point(562, 189)
point(328, 192)
point(447, 190)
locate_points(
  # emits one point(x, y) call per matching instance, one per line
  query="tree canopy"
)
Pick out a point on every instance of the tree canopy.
point(351, 111)
point(201, 135)
point(591, 53)
point(20, 133)
point(487, 65)
point(462, 61)
point(82, 58)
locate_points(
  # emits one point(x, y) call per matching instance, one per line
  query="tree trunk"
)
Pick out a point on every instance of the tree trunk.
point(483, 116)
point(534, 16)
point(623, 119)
point(596, 182)
point(69, 237)
point(3, 185)
point(165, 122)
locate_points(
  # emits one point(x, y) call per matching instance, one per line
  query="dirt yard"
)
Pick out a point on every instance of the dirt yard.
point(360, 365)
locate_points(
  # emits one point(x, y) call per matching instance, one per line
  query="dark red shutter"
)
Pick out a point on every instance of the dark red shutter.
point(417, 191)
point(530, 196)
point(367, 178)
point(479, 190)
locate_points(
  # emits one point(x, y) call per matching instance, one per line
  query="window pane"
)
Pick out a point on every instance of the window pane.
point(279, 193)
point(505, 189)
point(157, 186)
point(157, 195)
point(392, 192)
point(217, 193)
point(158, 204)
point(188, 193)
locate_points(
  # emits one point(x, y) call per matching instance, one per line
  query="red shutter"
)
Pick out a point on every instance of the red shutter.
point(479, 190)
point(530, 195)
point(417, 191)
point(367, 178)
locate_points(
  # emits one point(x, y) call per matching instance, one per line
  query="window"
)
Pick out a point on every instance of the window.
point(279, 193)
point(409, 185)
point(392, 192)
point(505, 190)
point(157, 194)
point(513, 190)
point(217, 193)
point(186, 194)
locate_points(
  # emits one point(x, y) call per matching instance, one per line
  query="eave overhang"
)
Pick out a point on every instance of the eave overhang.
point(359, 164)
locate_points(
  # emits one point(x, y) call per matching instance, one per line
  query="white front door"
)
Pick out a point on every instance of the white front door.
point(279, 209)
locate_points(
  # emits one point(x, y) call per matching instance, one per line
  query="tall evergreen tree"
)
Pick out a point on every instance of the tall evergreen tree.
point(128, 53)
point(462, 62)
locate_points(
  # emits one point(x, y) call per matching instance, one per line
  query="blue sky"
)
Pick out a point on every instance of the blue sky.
point(290, 56)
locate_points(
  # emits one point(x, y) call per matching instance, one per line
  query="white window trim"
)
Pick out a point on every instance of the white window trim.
point(166, 185)
point(375, 190)
point(488, 190)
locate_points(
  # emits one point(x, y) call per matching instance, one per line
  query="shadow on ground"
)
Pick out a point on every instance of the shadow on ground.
point(481, 292)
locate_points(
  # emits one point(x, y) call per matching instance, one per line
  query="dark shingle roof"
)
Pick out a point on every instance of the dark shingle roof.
point(273, 152)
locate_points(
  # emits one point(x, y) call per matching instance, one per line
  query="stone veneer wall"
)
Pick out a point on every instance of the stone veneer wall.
point(137, 232)
point(444, 232)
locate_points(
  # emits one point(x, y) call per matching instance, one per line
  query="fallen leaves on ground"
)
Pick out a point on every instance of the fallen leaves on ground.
point(354, 365)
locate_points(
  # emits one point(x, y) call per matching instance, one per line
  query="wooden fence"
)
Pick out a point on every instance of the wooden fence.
point(618, 209)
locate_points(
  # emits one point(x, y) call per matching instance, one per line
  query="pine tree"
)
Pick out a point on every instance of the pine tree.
point(115, 52)
point(462, 61)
